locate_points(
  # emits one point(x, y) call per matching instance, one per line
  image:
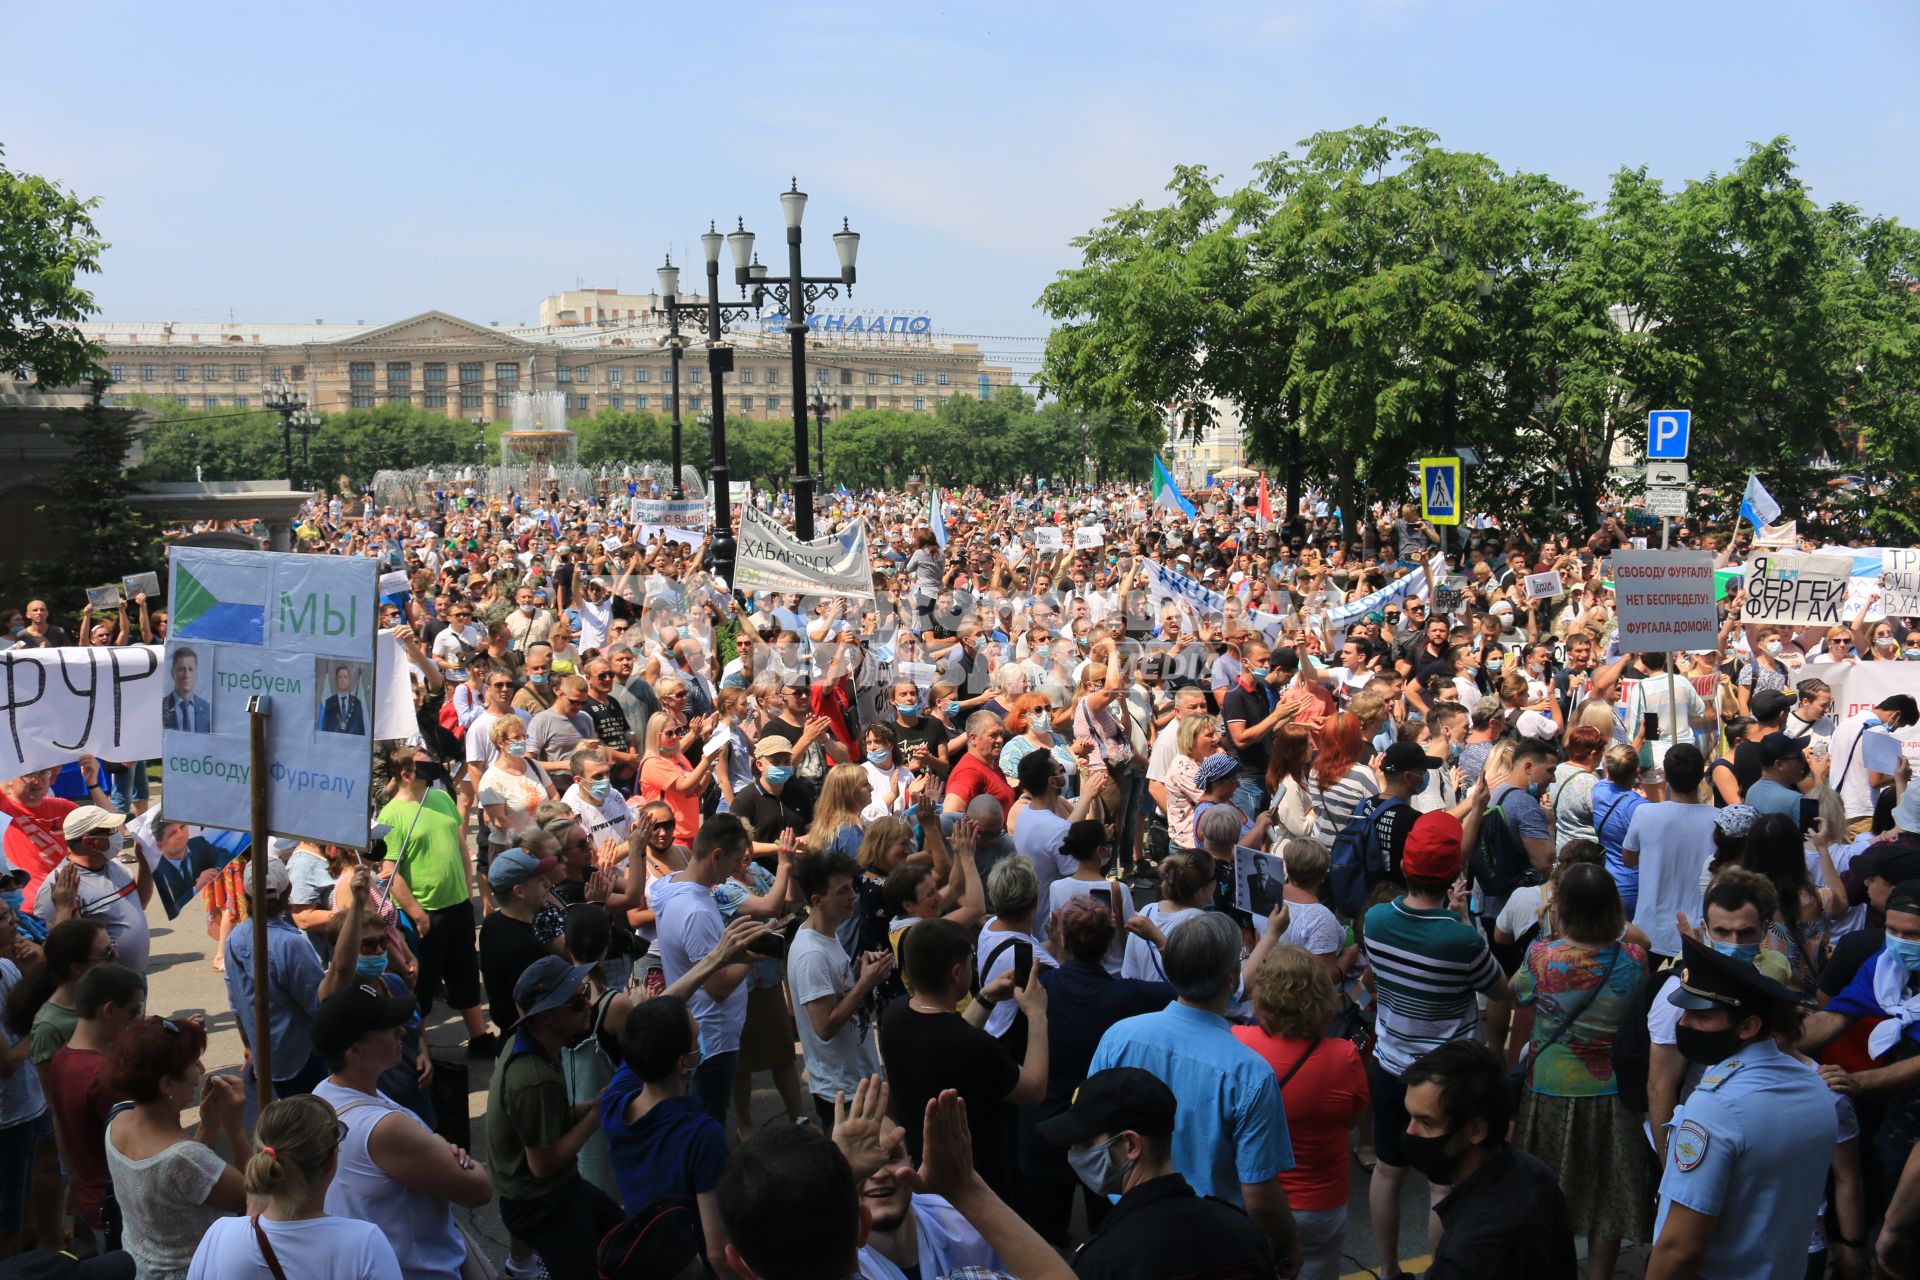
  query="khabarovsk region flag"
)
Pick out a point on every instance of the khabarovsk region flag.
point(220, 602)
point(937, 516)
point(1166, 493)
point(1757, 505)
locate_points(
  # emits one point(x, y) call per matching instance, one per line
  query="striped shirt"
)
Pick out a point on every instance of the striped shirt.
point(1334, 807)
point(1426, 967)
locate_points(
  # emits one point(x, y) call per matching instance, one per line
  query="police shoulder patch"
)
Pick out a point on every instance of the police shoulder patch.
point(1689, 1146)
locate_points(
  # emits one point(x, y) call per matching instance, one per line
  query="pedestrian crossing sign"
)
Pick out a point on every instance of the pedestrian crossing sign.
point(1440, 490)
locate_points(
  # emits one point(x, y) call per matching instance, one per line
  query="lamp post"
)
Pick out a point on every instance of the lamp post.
point(719, 362)
point(819, 405)
point(305, 422)
point(797, 294)
point(286, 400)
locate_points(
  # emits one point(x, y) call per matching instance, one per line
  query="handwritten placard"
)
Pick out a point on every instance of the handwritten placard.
point(1545, 586)
point(1900, 582)
point(1791, 588)
point(1048, 537)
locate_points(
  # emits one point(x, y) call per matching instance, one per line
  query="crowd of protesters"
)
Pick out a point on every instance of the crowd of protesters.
point(1611, 948)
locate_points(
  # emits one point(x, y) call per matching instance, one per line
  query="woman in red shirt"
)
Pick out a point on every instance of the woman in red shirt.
point(1323, 1086)
point(666, 776)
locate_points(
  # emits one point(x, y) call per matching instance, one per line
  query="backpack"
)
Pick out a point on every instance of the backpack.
point(1357, 862)
point(1633, 1046)
point(1499, 863)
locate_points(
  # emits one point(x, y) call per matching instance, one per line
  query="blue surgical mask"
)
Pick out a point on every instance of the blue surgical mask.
point(598, 788)
point(1041, 733)
point(1748, 951)
point(537, 677)
point(1904, 952)
point(878, 759)
point(15, 898)
point(1912, 655)
point(908, 708)
point(518, 747)
point(953, 708)
point(371, 966)
point(1260, 673)
point(779, 774)
point(1419, 780)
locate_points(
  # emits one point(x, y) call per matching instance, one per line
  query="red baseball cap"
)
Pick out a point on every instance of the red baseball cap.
point(1433, 847)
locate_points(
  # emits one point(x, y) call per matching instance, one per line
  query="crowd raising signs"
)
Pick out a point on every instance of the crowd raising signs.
point(1803, 589)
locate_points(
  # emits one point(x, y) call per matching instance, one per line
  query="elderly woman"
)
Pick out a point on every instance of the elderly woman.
point(1013, 891)
point(1198, 737)
point(666, 775)
point(1312, 926)
point(1218, 780)
point(1029, 729)
point(1323, 1088)
point(513, 787)
point(1570, 798)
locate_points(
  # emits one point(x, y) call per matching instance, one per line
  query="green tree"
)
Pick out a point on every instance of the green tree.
point(47, 240)
point(105, 536)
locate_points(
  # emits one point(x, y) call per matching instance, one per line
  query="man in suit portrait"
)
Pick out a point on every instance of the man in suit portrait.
point(342, 711)
point(183, 709)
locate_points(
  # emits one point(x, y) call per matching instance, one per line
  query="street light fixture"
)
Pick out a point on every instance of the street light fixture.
point(286, 400)
point(819, 406)
point(719, 363)
point(305, 422)
point(796, 294)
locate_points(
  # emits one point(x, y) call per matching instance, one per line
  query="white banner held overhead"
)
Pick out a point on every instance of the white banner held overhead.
point(771, 559)
point(1899, 582)
point(63, 703)
point(1049, 537)
point(1544, 586)
point(1665, 600)
point(1792, 588)
point(682, 513)
point(299, 629)
point(1089, 536)
point(1165, 584)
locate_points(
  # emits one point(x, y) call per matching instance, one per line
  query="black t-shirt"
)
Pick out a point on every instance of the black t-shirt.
point(769, 815)
point(1508, 1218)
point(1391, 829)
point(507, 947)
point(928, 1052)
point(609, 724)
point(1161, 1228)
point(1250, 709)
point(1850, 954)
point(923, 732)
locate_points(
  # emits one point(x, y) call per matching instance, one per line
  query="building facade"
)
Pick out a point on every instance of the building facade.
point(602, 356)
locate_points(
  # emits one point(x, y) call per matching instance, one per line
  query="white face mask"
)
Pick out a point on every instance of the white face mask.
point(1774, 648)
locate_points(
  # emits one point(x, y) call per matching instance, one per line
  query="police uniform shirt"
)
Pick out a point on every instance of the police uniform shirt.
point(1750, 1148)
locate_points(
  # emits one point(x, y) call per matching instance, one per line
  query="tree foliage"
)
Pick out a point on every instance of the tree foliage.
point(102, 535)
point(47, 241)
point(1377, 296)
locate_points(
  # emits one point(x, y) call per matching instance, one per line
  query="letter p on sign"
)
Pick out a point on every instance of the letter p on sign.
point(1667, 432)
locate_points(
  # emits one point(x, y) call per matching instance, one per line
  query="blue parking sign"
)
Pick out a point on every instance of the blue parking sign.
point(1667, 432)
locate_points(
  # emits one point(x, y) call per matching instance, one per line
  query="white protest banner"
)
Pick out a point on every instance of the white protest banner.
point(1785, 535)
point(1545, 586)
point(1411, 586)
point(1665, 600)
point(1165, 584)
point(1089, 536)
point(1900, 582)
point(393, 715)
point(683, 513)
point(685, 537)
point(771, 559)
point(1793, 588)
point(68, 702)
point(1861, 686)
point(1048, 537)
point(299, 629)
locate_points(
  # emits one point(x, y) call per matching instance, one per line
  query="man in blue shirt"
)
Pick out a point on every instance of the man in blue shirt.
point(1232, 1138)
point(296, 982)
point(1783, 767)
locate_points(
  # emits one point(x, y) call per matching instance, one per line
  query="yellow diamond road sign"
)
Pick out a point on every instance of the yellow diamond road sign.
point(1440, 490)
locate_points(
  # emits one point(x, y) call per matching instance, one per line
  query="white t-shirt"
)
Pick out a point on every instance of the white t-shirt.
point(1849, 776)
point(448, 643)
point(1143, 958)
point(992, 965)
point(1038, 836)
point(1675, 843)
point(1521, 912)
point(312, 1249)
point(818, 968)
point(1314, 929)
point(611, 819)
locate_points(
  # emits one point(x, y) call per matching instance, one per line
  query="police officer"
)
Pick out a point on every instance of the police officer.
point(1747, 1154)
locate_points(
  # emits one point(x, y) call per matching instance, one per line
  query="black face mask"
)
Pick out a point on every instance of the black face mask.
point(1708, 1048)
point(1429, 1156)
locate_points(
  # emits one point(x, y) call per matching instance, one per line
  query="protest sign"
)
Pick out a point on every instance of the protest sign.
point(1412, 586)
point(137, 584)
point(67, 702)
point(683, 513)
point(668, 533)
point(1861, 686)
point(1900, 582)
point(202, 853)
point(1545, 586)
point(1048, 537)
point(1795, 588)
point(771, 559)
point(300, 630)
point(104, 599)
point(393, 588)
point(1448, 600)
point(1880, 752)
point(739, 491)
point(1665, 600)
point(1258, 879)
point(1089, 536)
point(922, 674)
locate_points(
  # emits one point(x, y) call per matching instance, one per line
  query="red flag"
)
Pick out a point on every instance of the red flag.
point(1266, 503)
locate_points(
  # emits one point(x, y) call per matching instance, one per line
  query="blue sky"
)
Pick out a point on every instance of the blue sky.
point(355, 161)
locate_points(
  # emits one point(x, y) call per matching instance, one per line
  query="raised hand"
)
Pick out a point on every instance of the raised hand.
point(862, 1130)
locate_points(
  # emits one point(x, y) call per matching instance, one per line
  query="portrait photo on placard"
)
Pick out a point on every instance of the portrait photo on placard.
point(187, 706)
point(343, 692)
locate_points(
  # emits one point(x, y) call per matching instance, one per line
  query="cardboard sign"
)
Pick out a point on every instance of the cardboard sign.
point(1048, 537)
point(1666, 601)
point(686, 513)
point(1900, 582)
point(1544, 586)
point(1794, 588)
point(1089, 536)
point(136, 584)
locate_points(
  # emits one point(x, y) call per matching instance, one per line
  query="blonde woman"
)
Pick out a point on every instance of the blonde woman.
point(837, 821)
point(667, 776)
point(513, 787)
point(292, 1237)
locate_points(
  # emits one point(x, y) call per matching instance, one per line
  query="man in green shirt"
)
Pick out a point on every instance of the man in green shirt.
point(534, 1134)
point(423, 847)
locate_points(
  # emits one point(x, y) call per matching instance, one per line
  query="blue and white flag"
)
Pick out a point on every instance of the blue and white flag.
point(1165, 584)
point(937, 517)
point(1757, 505)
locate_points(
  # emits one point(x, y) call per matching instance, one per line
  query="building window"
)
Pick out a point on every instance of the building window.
point(942, 377)
point(644, 374)
point(580, 403)
point(746, 404)
point(894, 378)
point(873, 402)
point(773, 377)
point(471, 398)
point(614, 376)
point(693, 403)
point(360, 384)
point(399, 382)
point(618, 401)
point(210, 402)
point(117, 372)
point(275, 372)
point(746, 376)
point(181, 373)
point(820, 375)
point(919, 404)
point(360, 371)
point(773, 404)
point(919, 377)
point(209, 373)
point(846, 377)
point(985, 393)
point(694, 376)
point(500, 399)
point(435, 378)
point(506, 379)
point(583, 373)
point(846, 402)
point(243, 373)
point(148, 372)
point(243, 402)
point(181, 401)
point(640, 402)
point(298, 373)
point(563, 374)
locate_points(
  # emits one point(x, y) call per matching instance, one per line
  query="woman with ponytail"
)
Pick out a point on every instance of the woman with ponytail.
point(43, 1004)
point(296, 1155)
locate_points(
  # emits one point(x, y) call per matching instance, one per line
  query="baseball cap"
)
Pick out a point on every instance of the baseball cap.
point(1905, 897)
point(1404, 757)
point(1769, 704)
point(1433, 847)
point(660, 1240)
point(1110, 1101)
point(1776, 747)
point(13, 878)
point(86, 819)
point(516, 866)
point(279, 883)
point(347, 1015)
point(771, 746)
point(1895, 861)
point(548, 983)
